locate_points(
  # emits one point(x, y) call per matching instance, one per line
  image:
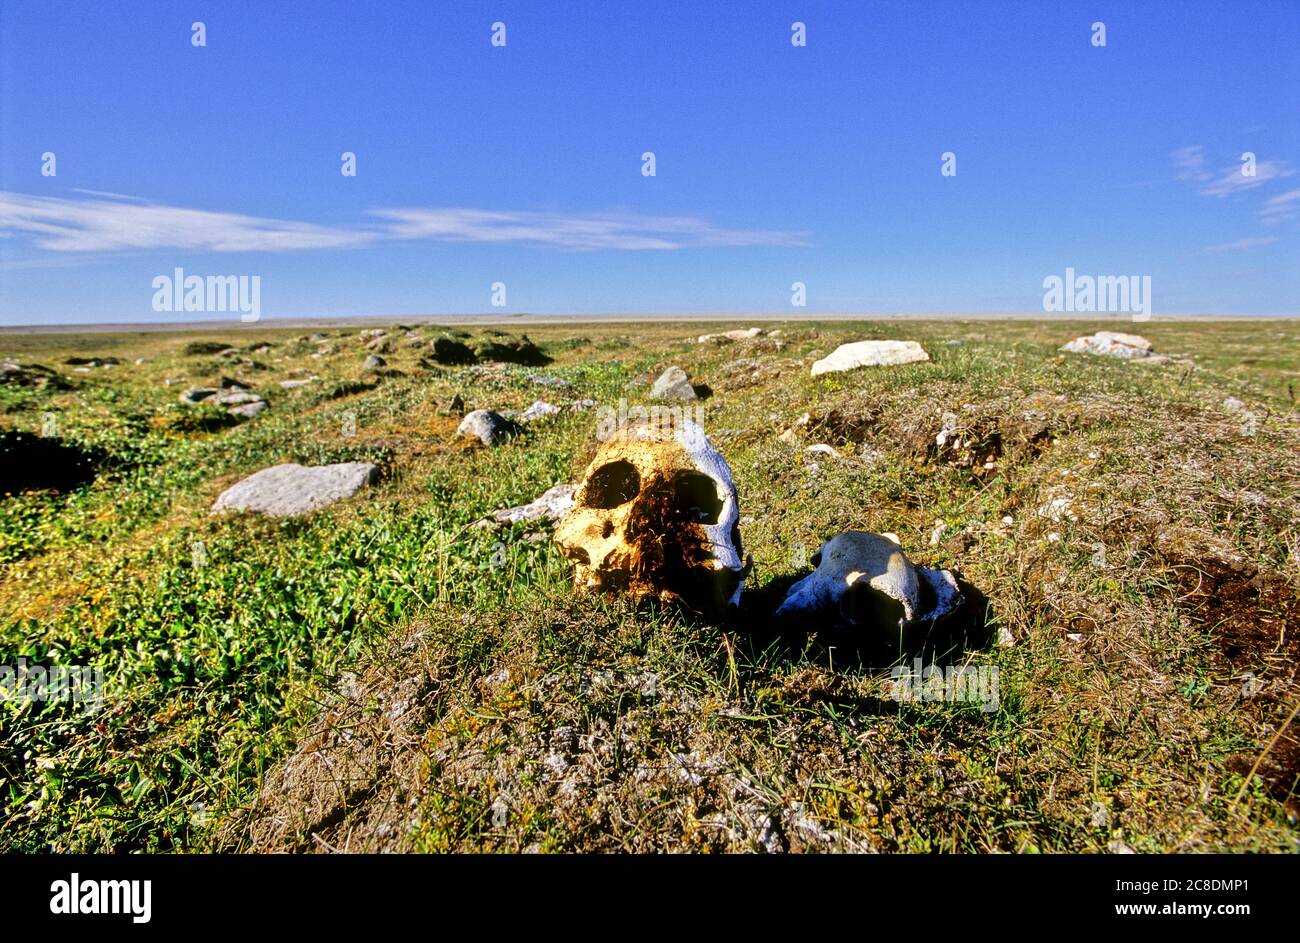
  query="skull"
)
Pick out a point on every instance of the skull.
point(657, 514)
point(864, 579)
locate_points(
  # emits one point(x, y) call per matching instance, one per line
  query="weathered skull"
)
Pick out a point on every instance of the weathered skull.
point(864, 579)
point(656, 514)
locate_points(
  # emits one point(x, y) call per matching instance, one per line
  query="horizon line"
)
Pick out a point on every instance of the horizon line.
point(702, 317)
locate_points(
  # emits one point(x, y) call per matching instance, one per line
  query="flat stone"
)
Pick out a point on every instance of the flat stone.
point(291, 489)
point(248, 410)
point(673, 383)
point(869, 354)
point(198, 394)
point(553, 504)
point(233, 398)
point(726, 337)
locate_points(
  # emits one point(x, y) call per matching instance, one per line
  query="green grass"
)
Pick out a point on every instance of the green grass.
point(221, 666)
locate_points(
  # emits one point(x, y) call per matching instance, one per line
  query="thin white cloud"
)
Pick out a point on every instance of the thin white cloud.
point(1239, 245)
point(1191, 167)
point(1189, 163)
point(1231, 180)
point(1280, 208)
point(574, 231)
point(110, 222)
point(109, 225)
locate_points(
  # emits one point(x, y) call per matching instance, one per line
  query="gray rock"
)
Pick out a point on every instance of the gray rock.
point(374, 362)
point(288, 490)
point(198, 394)
point(553, 504)
point(248, 410)
point(673, 383)
point(869, 354)
point(233, 398)
point(488, 426)
point(538, 410)
point(542, 379)
point(295, 384)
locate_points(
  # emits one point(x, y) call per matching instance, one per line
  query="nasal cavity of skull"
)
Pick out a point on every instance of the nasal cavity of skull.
point(696, 497)
point(863, 604)
point(613, 485)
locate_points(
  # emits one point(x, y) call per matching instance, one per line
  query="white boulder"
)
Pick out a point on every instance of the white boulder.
point(870, 354)
point(1110, 344)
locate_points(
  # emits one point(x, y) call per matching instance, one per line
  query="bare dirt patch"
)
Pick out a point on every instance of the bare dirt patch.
point(976, 436)
point(1255, 619)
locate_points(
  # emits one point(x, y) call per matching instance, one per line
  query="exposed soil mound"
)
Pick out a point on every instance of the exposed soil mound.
point(203, 348)
point(36, 463)
point(31, 374)
point(456, 348)
point(1255, 619)
point(506, 348)
point(452, 352)
point(92, 361)
point(974, 436)
point(747, 372)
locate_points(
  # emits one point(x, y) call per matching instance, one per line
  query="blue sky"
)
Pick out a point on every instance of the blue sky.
point(522, 164)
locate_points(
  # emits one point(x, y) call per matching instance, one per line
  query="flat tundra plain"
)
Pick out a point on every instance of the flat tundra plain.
point(386, 674)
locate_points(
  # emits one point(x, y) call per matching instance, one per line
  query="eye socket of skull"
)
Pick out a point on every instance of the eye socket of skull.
point(613, 485)
point(696, 496)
